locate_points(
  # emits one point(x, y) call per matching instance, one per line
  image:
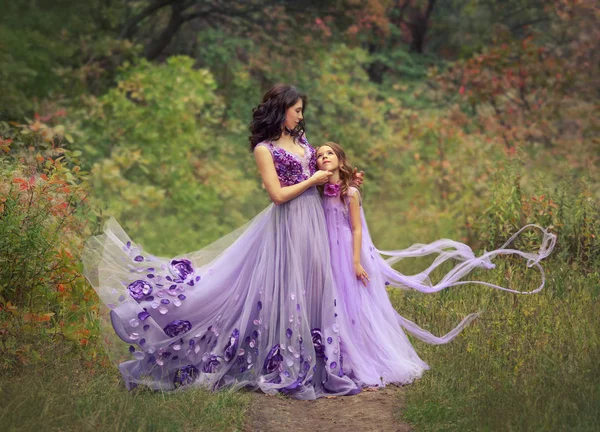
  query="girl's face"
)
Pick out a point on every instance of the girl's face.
point(327, 159)
point(293, 115)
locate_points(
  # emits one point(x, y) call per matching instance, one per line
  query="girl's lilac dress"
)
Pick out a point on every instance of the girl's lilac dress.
point(254, 309)
point(377, 350)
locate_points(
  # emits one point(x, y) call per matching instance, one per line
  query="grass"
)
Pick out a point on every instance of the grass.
point(61, 395)
point(530, 363)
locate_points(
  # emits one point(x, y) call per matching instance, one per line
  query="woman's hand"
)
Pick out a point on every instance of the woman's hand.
point(358, 177)
point(320, 177)
point(361, 274)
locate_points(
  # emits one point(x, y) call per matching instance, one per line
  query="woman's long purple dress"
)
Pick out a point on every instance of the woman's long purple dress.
point(377, 350)
point(254, 309)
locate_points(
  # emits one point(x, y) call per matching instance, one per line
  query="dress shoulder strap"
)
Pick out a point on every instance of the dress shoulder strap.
point(354, 191)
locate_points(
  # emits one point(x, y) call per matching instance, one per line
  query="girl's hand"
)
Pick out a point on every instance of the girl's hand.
point(358, 177)
point(320, 177)
point(361, 274)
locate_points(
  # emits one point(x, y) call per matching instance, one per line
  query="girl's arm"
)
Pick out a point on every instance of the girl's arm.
point(277, 193)
point(356, 225)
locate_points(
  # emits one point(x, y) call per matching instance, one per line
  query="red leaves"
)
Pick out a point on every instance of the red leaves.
point(60, 113)
point(23, 185)
point(5, 144)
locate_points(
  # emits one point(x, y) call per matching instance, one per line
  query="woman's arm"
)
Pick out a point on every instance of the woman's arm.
point(277, 193)
point(356, 225)
point(357, 178)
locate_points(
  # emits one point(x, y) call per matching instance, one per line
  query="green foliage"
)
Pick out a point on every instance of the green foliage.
point(42, 206)
point(159, 159)
point(55, 49)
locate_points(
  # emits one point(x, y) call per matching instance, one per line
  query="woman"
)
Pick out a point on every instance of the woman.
point(254, 309)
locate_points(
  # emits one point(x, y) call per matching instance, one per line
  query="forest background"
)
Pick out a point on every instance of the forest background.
point(470, 118)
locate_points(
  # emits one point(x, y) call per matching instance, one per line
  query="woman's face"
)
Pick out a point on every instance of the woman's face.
point(327, 159)
point(293, 115)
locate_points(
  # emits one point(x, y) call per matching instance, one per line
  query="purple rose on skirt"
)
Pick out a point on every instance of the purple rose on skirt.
point(211, 364)
point(186, 375)
point(139, 289)
point(181, 268)
point(274, 359)
point(293, 386)
point(317, 339)
point(177, 327)
point(232, 345)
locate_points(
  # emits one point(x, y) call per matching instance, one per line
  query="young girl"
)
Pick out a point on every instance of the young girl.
point(375, 347)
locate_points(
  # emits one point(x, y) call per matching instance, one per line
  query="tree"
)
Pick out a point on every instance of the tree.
point(233, 17)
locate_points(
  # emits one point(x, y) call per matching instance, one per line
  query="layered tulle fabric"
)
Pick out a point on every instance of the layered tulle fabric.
point(255, 309)
point(378, 351)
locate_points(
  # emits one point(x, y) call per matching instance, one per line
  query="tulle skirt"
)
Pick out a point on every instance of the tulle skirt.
point(255, 309)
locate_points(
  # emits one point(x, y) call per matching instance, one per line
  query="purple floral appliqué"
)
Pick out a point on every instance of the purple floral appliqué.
point(177, 327)
point(143, 316)
point(232, 345)
point(139, 289)
point(181, 268)
point(331, 190)
point(274, 359)
point(317, 339)
point(185, 376)
point(291, 168)
point(211, 364)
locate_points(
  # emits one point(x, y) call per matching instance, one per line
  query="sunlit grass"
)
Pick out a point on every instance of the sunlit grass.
point(529, 363)
point(64, 396)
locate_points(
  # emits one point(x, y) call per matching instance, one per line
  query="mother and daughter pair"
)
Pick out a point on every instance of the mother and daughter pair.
point(295, 301)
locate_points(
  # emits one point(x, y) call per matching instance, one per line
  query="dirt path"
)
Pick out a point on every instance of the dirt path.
point(368, 411)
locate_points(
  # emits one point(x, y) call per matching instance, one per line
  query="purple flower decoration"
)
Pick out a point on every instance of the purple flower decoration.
point(317, 339)
point(143, 316)
point(181, 268)
point(232, 345)
point(139, 289)
point(177, 327)
point(185, 376)
point(293, 386)
point(329, 340)
point(139, 258)
point(211, 364)
point(274, 359)
point(289, 333)
point(331, 190)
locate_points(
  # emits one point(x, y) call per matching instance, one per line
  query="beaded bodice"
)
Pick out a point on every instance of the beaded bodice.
point(292, 168)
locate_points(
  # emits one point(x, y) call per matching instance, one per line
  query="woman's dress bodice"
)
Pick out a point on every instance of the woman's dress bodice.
point(292, 168)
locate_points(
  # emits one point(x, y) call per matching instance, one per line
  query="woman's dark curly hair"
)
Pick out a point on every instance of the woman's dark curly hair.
point(269, 116)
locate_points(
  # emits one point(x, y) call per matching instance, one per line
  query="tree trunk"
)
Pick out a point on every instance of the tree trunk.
point(419, 28)
point(157, 45)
